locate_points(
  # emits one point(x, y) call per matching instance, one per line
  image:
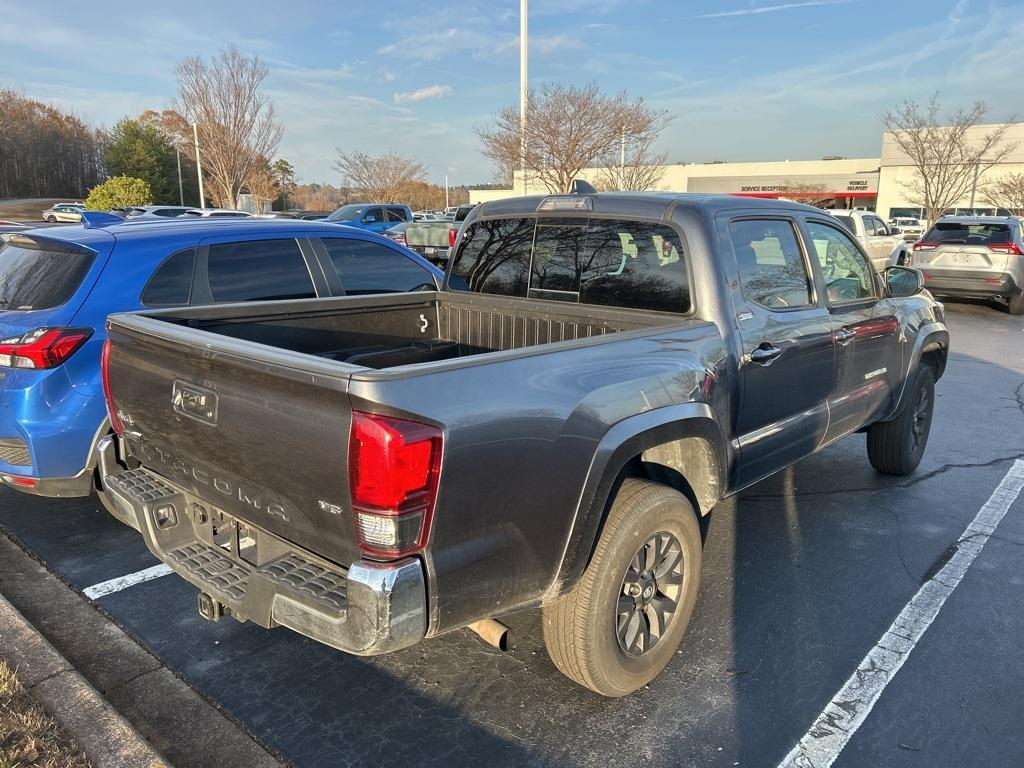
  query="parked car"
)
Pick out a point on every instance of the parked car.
point(64, 212)
point(216, 213)
point(884, 244)
point(547, 430)
point(397, 232)
point(974, 256)
point(912, 229)
point(167, 211)
point(372, 216)
point(60, 283)
point(433, 239)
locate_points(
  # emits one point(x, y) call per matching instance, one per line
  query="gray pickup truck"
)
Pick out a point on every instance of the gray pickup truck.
point(547, 430)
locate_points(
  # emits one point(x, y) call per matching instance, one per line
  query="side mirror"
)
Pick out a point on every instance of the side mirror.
point(904, 281)
point(895, 231)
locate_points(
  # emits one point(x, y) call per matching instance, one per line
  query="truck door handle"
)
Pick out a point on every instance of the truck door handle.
point(765, 354)
point(842, 336)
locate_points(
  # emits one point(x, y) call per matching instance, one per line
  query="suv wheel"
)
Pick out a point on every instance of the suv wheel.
point(896, 447)
point(1017, 304)
point(621, 623)
point(51, 218)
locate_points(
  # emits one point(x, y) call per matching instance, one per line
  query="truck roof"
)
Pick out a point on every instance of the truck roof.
point(644, 204)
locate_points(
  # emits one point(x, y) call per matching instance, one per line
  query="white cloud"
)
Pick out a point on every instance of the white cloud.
point(757, 9)
point(423, 94)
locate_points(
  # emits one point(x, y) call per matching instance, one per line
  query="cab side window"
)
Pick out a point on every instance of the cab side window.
point(772, 269)
point(260, 270)
point(171, 284)
point(846, 271)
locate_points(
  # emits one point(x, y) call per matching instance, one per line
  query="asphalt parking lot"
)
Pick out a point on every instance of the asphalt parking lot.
point(803, 574)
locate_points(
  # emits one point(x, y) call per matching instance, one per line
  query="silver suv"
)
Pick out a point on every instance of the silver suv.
point(974, 256)
point(885, 245)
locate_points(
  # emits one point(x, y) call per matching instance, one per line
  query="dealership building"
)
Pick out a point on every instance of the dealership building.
point(876, 183)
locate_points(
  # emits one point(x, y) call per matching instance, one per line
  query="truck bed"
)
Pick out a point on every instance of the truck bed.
point(383, 332)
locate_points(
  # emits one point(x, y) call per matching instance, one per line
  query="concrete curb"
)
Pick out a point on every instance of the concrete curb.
point(106, 738)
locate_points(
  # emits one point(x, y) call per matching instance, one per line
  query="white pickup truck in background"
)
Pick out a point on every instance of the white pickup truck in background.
point(885, 245)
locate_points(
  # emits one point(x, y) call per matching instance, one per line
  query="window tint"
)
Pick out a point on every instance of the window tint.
point(968, 234)
point(259, 270)
point(34, 277)
point(847, 221)
point(396, 214)
point(846, 271)
point(374, 268)
point(589, 261)
point(373, 215)
point(772, 268)
point(495, 256)
point(171, 284)
point(227, 215)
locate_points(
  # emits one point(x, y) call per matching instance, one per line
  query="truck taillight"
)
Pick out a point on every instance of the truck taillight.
point(115, 420)
point(453, 233)
point(42, 348)
point(394, 465)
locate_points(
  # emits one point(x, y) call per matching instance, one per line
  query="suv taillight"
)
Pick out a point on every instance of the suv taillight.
point(115, 420)
point(394, 465)
point(42, 348)
point(453, 233)
point(920, 245)
point(1010, 248)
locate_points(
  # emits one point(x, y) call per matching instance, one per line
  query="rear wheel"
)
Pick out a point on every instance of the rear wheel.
point(1017, 304)
point(51, 219)
point(622, 622)
point(896, 447)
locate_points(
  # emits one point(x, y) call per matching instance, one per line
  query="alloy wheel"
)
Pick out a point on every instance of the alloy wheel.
point(649, 595)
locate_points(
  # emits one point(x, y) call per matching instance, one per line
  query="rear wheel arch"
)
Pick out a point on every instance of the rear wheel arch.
point(688, 454)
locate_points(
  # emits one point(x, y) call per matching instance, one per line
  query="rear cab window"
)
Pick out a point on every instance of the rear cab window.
point(772, 269)
point(597, 261)
point(34, 276)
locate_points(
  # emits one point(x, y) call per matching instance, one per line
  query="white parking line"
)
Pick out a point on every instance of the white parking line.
point(841, 718)
point(123, 582)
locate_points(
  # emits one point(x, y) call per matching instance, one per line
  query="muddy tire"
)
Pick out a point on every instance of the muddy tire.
point(622, 622)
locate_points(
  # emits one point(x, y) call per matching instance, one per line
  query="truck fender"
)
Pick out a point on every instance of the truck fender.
point(686, 438)
point(932, 339)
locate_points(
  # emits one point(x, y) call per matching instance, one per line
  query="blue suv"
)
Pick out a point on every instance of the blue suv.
point(57, 286)
point(376, 217)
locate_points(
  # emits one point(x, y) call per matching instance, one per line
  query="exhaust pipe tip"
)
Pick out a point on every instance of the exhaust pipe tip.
point(493, 633)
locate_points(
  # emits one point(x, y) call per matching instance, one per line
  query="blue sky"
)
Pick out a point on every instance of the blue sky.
point(745, 79)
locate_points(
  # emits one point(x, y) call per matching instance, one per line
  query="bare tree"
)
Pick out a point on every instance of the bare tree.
point(949, 156)
point(640, 172)
point(569, 129)
point(236, 122)
point(263, 185)
point(808, 192)
point(381, 177)
point(1006, 192)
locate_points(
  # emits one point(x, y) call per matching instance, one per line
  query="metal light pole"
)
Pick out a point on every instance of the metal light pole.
point(181, 189)
point(446, 191)
point(199, 165)
point(523, 91)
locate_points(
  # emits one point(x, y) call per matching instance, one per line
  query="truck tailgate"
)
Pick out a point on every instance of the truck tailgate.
point(233, 423)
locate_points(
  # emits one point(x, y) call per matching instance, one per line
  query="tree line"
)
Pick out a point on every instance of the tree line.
point(570, 129)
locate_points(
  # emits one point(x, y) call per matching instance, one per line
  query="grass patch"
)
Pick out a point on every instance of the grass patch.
point(28, 737)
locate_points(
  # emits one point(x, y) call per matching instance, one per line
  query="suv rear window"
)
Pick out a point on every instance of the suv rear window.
point(606, 262)
point(969, 234)
point(33, 276)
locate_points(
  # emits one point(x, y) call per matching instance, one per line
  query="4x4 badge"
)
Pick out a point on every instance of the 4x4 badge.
point(195, 402)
